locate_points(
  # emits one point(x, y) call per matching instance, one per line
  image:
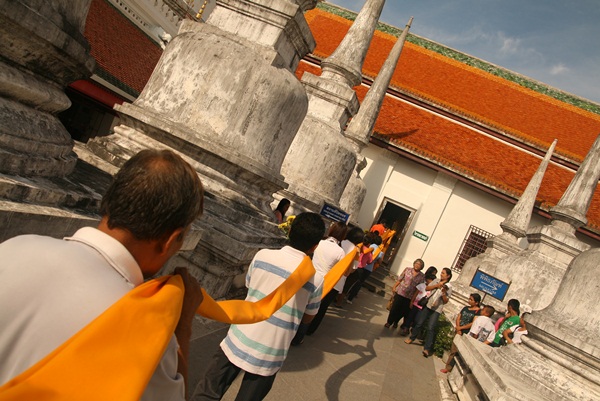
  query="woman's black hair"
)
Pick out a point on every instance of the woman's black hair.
point(430, 270)
point(355, 235)
point(282, 204)
point(448, 272)
point(515, 305)
point(477, 298)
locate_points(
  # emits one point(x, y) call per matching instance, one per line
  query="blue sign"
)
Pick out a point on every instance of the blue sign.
point(490, 285)
point(334, 213)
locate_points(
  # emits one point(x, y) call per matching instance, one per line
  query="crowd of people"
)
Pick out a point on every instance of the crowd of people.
point(146, 214)
point(418, 299)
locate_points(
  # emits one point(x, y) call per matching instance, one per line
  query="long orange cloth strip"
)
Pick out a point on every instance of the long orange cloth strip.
point(337, 271)
point(242, 312)
point(113, 357)
point(91, 365)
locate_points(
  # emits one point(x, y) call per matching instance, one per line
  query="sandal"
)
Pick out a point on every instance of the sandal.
point(387, 325)
point(408, 341)
point(426, 354)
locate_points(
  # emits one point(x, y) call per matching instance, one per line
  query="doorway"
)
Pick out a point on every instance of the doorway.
point(398, 218)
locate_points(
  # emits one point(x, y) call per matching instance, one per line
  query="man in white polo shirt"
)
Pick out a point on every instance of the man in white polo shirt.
point(259, 349)
point(52, 288)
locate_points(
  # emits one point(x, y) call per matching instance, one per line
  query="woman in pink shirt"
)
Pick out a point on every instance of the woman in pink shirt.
point(404, 289)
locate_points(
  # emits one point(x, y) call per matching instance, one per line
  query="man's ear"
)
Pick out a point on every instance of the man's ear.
point(172, 240)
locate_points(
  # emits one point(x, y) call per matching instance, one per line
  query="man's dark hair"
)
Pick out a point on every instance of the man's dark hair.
point(154, 193)
point(306, 231)
point(355, 235)
point(489, 309)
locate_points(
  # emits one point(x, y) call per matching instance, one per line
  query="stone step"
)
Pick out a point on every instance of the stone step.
point(379, 282)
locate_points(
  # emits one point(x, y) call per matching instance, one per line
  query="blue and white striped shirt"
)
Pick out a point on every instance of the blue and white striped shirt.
point(261, 348)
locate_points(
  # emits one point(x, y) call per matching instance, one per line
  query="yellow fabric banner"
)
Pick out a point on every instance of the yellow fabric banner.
point(90, 365)
point(335, 274)
point(242, 312)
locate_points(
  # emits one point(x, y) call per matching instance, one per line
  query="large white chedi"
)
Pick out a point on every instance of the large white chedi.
point(224, 96)
point(320, 160)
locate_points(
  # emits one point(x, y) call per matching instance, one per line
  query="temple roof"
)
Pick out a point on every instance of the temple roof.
point(469, 121)
point(124, 54)
point(450, 111)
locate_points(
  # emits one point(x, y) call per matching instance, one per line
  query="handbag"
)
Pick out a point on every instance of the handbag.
point(423, 301)
point(390, 303)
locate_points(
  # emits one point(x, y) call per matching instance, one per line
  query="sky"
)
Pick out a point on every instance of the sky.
point(554, 42)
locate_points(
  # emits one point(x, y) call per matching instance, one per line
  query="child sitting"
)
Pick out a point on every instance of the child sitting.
point(483, 326)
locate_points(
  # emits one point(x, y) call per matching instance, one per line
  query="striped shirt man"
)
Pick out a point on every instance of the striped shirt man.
point(261, 348)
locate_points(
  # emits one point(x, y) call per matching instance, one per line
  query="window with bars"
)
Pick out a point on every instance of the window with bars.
point(473, 244)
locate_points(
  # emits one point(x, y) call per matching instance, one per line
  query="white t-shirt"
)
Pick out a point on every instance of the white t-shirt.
point(261, 348)
point(483, 329)
point(436, 302)
point(348, 247)
point(53, 288)
point(421, 292)
point(326, 255)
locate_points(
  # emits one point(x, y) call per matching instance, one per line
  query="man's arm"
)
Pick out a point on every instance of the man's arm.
point(506, 334)
point(191, 300)
point(306, 319)
point(458, 326)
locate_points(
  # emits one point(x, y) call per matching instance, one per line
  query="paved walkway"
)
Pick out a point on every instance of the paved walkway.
point(351, 357)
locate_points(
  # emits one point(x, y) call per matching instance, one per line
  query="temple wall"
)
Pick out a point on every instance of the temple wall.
point(444, 215)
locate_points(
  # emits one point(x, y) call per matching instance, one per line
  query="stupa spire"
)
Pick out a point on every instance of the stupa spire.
point(518, 220)
point(360, 128)
point(345, 63)
point(575, 202)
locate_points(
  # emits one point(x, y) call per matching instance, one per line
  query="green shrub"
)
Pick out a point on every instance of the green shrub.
point(443, 337)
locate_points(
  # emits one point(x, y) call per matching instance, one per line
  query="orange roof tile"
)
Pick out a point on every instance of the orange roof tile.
point(497, 103)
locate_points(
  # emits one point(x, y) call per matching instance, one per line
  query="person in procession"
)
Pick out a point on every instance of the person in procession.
point(58, 286)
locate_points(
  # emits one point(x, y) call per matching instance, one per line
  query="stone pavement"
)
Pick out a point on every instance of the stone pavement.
point(351, 357)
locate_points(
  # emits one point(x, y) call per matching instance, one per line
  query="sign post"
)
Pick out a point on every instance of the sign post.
point(490, 285)
point(333, 213)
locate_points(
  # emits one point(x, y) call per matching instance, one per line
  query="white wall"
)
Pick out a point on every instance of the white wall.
point(445, 208)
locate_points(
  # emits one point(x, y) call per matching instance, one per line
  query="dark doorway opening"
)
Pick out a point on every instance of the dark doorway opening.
point(398, 218)
point(86, 118)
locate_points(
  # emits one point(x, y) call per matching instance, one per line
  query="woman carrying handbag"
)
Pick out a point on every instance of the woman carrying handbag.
point(404, 289)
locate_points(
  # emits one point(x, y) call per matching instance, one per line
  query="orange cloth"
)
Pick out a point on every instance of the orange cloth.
point(114, 357)
point(379, 228)
point(337, 271)
point(91, 365)
point(242, 312)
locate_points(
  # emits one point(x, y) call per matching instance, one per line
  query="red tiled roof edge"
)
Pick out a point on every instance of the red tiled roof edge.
point(121, 49)
point(501, 72)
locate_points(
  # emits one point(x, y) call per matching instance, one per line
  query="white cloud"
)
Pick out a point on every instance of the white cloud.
point(510, 46)
point(559, 69)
